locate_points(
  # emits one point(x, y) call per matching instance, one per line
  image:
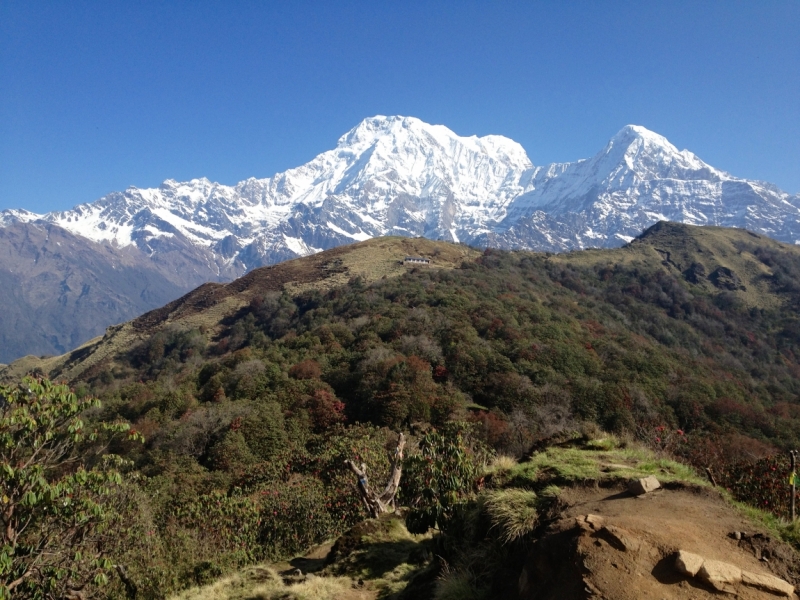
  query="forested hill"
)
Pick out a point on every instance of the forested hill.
point(692, 327)
point(251, 395)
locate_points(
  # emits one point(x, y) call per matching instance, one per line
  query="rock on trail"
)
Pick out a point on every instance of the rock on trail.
point(610, 544)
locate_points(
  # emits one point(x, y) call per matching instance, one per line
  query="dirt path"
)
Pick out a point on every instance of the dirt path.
point(584, 561)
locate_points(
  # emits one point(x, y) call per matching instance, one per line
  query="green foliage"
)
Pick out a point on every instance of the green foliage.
point(168, 348)
point(227, 523)
point(295, 517)
point(55, 502)
point(522, 345)
point(264, 431)
point(763, 483)
point(442, 477)
point(546, 339)
point(188, 524)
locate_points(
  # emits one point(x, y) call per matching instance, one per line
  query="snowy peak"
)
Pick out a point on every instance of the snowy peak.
point(408, 155)
point(639, 178)
point(368, 131)
point(650, 154)
point(633, 163)
point(401, 175)
point(397, 133)
point(636, 133)
point(397, 175)
point(388, 175)
point(17, 215)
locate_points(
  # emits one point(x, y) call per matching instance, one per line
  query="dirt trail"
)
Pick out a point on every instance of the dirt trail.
point(637, 561)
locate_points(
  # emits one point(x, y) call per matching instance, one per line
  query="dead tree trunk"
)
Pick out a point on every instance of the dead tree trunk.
point(374, 502)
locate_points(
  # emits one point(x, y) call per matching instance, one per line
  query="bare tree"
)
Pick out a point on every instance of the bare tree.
point(375, 503)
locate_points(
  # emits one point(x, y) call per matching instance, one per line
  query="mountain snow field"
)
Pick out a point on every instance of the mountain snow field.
point(401, 176)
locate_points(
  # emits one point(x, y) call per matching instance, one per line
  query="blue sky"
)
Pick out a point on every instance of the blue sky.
point(97, 96)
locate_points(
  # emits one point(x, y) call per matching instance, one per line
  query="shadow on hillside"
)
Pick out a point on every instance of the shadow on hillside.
point(308, 565)
point(375, 560)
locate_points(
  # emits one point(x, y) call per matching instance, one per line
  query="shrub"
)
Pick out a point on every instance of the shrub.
point(762, 483)
point(307, 369)
point(325, 409)
point(440, 480)
point(264, 430)
point(294, 517)
point(55, 520)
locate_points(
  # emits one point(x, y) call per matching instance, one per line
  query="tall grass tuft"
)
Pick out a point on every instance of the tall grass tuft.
point(502, 464)
point(514, 512)
point(316, 588)
point(457, 585)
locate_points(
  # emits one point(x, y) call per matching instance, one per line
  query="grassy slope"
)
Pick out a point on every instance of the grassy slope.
point(209, 305)
point(381, 558)
point(675, 247)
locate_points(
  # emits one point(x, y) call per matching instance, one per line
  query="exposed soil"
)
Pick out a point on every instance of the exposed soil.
point(572, 561)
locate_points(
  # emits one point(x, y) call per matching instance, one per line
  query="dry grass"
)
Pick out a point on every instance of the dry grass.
point(514, 512)
point(313, 588)
point(457, 585)
point(501, 464)
point(263, 583)
point(239, 585)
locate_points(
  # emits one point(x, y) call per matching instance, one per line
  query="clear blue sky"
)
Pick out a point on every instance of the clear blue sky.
point(97, 96)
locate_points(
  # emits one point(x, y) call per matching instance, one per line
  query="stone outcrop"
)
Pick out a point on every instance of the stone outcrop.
point(688, 563)
point(723, 576)
point(590, 522)
point(768, 583)
point(719, 575)
point(622, 538)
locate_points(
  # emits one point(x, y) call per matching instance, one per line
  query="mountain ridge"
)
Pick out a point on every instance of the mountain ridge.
point(208, 306)
point(387, 176)
point(714, 259)
point(399, 175)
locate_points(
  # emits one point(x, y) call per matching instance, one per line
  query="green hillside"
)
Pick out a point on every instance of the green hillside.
point(250, 396)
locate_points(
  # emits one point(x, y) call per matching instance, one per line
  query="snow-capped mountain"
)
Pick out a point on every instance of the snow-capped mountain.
point(400, 176)
point(387, 176)
point(639, 178)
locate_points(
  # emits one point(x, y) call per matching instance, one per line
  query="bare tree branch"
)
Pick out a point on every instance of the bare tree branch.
point(374, 503)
